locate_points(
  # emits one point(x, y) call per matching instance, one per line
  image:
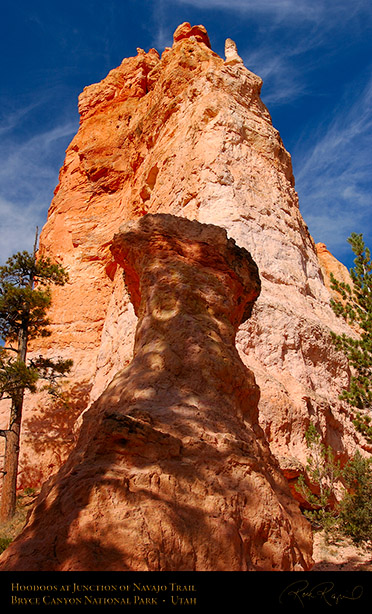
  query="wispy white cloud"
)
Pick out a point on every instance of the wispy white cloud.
point(334, 169)
point(283, 81)
point(284, 31)
point(9, 120)
point(161, 36)
point(18, 226)
point(285, 9)
point(28, 175)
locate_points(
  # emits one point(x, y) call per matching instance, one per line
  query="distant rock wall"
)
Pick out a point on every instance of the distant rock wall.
point(171, 471)
point(187, 134)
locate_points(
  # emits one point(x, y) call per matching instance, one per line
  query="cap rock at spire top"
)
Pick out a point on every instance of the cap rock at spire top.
point(185, 30)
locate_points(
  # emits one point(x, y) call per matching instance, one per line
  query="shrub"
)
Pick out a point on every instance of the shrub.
point(355, 510)
point(323, 472)
point(350, 516)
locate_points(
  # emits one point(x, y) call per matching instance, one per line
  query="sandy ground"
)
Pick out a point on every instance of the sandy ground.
point(340, 556)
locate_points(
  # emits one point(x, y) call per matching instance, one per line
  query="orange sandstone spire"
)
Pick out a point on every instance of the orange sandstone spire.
point(185, 133)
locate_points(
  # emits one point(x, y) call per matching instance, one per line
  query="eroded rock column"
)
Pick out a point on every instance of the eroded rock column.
point(191, 287)
point(171, 470)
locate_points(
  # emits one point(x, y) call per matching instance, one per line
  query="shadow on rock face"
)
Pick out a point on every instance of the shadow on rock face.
point(171, 470)
point(50, 432)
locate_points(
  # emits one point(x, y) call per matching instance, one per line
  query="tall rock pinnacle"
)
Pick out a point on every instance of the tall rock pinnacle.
point(187, 134)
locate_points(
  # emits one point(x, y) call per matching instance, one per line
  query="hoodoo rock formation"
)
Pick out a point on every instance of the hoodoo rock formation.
point(186, 133)
point(171, 471)
point(331, 266)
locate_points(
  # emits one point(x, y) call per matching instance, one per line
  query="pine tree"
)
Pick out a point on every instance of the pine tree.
point(355, 306)
point(355, 519)
point(25, 297)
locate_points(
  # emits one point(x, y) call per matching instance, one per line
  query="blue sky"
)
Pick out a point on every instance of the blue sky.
point(315, 58)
